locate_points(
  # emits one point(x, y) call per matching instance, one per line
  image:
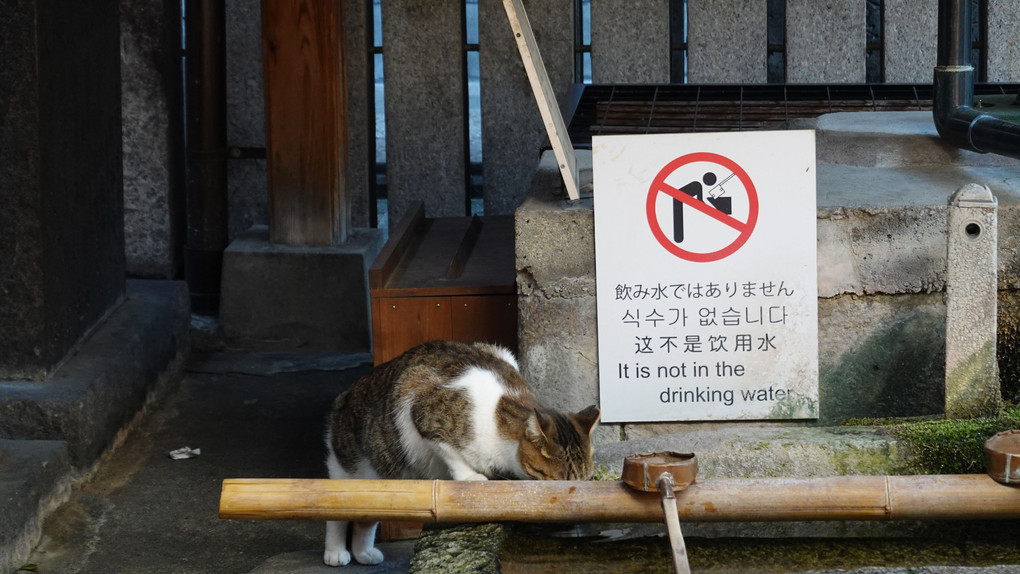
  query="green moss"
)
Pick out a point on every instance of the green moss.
point(1008, 342)
point(603, 472)
point(972, 386)
point(944, 446)
point(795, 406)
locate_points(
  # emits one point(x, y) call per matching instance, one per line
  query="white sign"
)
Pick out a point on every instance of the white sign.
point(706, 275)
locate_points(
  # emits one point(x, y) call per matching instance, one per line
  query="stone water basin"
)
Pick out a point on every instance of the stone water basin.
point(784, 548)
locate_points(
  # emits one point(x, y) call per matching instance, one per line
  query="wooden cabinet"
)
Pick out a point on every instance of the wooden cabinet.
point(444, 278)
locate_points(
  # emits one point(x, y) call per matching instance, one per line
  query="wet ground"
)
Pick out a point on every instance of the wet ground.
point(143, 512)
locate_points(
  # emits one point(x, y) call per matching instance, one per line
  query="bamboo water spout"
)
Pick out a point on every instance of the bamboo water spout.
point(922, 497)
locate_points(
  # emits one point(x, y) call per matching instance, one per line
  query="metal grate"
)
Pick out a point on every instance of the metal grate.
point(644, 109)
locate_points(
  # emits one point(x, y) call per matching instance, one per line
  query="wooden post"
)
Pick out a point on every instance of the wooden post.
point(545, 97)
point(306, 121)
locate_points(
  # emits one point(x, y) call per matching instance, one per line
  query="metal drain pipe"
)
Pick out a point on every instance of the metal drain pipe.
point(921, 497)
point(206, 138)
point(956, 119)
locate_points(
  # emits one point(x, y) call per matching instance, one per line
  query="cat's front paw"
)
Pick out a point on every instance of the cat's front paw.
point(369, 556)
point(337, 557)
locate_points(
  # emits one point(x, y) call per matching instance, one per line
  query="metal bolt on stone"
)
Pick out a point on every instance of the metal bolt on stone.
point(972, 375)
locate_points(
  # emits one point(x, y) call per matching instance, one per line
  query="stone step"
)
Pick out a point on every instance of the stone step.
point(752, 451)
point(34, 479)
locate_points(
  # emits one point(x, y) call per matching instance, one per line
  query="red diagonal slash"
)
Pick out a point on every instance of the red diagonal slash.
point(703, 207)
point(743, 228)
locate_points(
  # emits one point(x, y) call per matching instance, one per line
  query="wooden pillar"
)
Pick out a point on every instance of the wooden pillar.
point(306, 121)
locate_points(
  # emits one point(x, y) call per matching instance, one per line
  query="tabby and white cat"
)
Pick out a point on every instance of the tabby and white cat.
point(446, 410)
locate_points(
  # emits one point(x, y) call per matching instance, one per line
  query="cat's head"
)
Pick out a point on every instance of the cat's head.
point(557, 446)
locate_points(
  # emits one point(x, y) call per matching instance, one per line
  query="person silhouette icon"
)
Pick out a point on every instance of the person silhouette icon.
point(696, 190)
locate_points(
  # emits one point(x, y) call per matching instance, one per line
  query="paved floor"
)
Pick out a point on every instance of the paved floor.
point(143, 512)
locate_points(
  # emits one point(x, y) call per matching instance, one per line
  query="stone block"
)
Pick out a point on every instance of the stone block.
point(910, 30)
point(554, 238)
point(512, 129)
point(825, 41)
point(630, 42)
point(559, 344)
point(153, 206)
point(425, 106)
point(972, 375)
point(139, 347)
point(716, 52)
point(35, 479)
point(298, 298)
point(61, 198)
point(889, 139)
point(1003, 41)
point(880, 356)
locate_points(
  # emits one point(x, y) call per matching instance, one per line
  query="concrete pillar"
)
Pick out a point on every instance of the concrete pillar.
point(360, 123)
point(423, 43)
point(630, 42)
point(153, 203)
point(61, 194)
point(1003, 41)
point(972, 376)
point(512, 128)
point(727, 42)
point(247, 185)
point(911, 40)
point(825, 41)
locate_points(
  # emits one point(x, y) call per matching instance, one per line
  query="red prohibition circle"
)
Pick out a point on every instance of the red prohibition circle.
point(659, 186)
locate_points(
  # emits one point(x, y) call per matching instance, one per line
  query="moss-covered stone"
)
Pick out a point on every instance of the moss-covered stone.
point(941, 446)
point(463, 549)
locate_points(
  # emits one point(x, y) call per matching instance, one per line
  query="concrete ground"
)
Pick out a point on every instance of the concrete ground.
point(251, 416)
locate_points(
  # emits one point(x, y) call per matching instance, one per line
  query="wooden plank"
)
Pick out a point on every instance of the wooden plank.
point(544, 94)
point(306, 120)
point(444, 291)
point(402, 237)
point(464, 248)
point(401, 323)
point(484, 261)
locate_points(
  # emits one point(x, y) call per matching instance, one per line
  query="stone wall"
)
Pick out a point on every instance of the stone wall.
point(61, 199)
point(881, 272)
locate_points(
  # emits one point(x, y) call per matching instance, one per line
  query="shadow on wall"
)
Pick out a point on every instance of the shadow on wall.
point(1009, 345)
point(897, 371)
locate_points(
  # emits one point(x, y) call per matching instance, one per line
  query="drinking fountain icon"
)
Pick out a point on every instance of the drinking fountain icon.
point(695, 189)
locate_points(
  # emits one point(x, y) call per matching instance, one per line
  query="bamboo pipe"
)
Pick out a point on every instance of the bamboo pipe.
point(921, 497)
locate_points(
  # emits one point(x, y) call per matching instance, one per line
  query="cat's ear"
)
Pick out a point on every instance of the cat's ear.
point(587, 419)
point(539, 425)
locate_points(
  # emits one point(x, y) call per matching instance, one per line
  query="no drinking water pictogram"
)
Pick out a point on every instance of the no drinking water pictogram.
point(702, 207)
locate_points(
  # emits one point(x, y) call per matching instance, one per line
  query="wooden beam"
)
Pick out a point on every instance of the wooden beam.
point(544, 94)
point(306, 121)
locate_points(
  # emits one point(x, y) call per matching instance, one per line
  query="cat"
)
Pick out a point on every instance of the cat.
point(447, 410)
